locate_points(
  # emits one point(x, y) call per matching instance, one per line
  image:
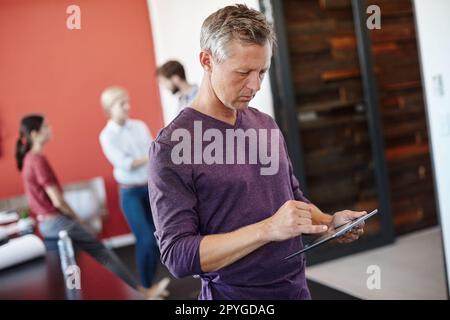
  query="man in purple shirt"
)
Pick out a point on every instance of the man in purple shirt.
point(225, 201)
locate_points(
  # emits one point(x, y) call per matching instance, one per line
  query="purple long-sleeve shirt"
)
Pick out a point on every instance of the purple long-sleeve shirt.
point(192, 200)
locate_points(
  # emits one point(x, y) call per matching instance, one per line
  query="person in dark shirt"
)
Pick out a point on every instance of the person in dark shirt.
point(225, 201)
point(47, 204)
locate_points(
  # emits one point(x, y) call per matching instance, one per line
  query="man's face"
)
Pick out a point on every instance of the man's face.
point(169, 84)
point(238, 78)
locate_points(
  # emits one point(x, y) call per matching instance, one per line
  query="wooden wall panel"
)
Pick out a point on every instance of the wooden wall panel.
point(332, 115)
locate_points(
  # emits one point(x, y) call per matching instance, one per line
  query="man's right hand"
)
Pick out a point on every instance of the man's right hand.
point(291, 220)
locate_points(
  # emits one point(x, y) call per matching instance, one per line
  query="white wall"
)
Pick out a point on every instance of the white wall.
point(176, 34)
point(433, 27)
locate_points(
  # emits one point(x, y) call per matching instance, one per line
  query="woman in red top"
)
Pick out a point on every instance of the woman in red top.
point(46, 201)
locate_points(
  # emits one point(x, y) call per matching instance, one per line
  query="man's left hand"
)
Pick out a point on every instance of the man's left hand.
point(342, 217)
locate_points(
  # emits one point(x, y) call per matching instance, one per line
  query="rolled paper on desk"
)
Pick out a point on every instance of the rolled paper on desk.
point(20, 250)
point(8, 217)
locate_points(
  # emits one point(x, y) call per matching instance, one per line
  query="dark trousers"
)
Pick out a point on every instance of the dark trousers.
point(84, 240)
point(136, 207)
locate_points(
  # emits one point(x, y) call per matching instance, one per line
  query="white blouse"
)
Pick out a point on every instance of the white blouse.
point(124, 144)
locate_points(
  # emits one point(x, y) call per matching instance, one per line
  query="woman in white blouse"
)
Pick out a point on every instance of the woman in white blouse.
point(125, 143)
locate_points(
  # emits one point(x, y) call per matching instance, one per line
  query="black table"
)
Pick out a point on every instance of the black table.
point(42, 279)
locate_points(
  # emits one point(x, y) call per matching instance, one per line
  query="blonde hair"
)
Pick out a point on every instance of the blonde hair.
point(110, 95)
point(237, 22)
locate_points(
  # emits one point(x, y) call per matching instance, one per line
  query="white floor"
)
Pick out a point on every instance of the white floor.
point(411, 268)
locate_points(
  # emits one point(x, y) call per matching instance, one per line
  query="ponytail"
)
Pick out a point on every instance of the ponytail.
point(24, 143)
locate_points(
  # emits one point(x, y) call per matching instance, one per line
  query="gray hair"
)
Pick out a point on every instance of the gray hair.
point(236, 22)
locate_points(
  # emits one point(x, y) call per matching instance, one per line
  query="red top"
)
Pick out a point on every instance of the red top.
point(37, 174)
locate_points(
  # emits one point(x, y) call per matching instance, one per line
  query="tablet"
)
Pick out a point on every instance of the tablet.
point(333, 234)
